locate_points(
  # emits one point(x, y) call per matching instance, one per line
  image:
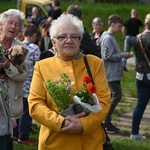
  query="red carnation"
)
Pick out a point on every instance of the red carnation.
point(87, 79)
point(91, 89)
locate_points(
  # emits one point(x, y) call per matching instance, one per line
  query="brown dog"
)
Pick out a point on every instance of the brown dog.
point(17, 55)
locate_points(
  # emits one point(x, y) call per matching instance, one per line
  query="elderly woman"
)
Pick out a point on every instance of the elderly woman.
point(76, 131)
point(11, 22)
point(142, 79)
point(97, 25)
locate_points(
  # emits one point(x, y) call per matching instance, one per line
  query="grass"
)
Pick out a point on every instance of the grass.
point(33, 136)
point(126, 144)
point(91, 10)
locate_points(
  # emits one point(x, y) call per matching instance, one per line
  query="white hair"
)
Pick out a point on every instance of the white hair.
point(14, 13)
point(97, 20)
point(66, 20)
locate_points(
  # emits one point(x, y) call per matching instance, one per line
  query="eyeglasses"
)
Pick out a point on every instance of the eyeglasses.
point(66, 37)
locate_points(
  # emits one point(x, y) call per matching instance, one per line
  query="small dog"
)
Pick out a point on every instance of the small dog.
point(16, 56)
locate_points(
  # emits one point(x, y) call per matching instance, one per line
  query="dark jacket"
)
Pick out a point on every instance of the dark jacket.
point(141, 63)
point(88, 46)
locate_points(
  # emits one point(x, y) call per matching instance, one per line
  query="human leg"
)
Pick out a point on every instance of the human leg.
point(6, 142)
point(10, 142)
point(25, 125)
point(16, 131)
point(126, 49)
point(143, 88)
point(128, 43)
point(25, 122)
point(116, 94)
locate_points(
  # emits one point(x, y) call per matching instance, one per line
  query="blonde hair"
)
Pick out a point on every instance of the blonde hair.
point(147, 21)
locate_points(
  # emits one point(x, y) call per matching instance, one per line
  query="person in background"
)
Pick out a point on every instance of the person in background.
point(142, 80)
point(130, 30)
point(6, 122)
point(97, 25)
point(45, 40)
point(11, 22)
point(112, 57)
point(20, 36)
point(30, 35)
point(49, 53)
point(87, 46)
point(56, 11)
point(36, 19)
point(72, 132)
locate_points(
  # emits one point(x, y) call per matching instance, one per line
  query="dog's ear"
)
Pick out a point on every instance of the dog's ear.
point(24, 50)
point(10, 50)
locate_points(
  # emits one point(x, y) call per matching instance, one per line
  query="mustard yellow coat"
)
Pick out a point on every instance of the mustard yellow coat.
point(43, 110)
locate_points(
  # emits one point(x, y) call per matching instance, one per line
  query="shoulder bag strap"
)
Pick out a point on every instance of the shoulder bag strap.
point(88, 68)
point(143, 49)
point(90, 74)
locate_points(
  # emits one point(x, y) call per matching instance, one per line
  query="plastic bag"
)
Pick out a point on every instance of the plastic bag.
point(95, 108)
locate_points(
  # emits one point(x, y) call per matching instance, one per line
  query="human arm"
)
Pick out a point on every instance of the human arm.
point(12, 72)
point(40, 101)
point(124, 31)
point(111, 51)
point(93, 120)
point(49, 20)
point(72, 124)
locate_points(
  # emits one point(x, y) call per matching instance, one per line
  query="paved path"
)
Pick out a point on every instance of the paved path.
point(124, 122)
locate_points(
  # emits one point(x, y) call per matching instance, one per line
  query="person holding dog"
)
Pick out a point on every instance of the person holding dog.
point(11, 22)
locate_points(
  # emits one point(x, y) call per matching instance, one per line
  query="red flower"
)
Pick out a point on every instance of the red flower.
point(91, 89)
point(87, 79)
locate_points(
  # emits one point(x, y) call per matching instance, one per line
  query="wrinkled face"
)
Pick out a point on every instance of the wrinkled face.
point(67, 42)
point(98, 27)
point(10, 28)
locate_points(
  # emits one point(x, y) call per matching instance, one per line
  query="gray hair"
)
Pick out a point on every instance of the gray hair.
point(14, 13)
point(97, 20)
point(66, 19)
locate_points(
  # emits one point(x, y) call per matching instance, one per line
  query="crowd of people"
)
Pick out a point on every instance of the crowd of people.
point(68, 43)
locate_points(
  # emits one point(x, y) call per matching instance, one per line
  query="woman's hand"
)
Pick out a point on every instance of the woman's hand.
point(5, 64)
point(72, 124)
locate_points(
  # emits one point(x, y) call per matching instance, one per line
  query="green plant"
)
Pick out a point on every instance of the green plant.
point(60, 91)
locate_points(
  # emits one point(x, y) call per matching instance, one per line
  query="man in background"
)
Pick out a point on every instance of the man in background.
point(56, 12)
point(130, 30)
point(35, 19)
point(87, 46)
point(112, 58)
